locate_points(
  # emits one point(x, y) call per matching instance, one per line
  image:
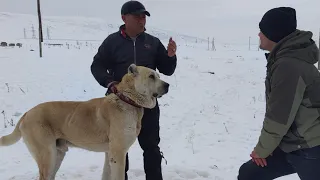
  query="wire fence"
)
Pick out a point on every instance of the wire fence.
point(92, 35)
point(53, 35)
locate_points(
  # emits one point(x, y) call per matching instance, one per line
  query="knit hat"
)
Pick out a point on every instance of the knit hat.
point(278, 23)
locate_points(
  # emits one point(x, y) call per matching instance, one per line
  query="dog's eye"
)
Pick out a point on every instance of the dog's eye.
point(151, 76)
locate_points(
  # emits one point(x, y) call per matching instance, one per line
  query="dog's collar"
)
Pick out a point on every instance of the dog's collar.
point(125, 98)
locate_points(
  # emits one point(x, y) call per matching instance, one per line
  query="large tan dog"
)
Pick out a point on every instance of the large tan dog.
point(109, 124)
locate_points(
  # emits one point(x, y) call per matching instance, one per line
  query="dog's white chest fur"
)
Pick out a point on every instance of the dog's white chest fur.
point(130, 130)
point(131, 125)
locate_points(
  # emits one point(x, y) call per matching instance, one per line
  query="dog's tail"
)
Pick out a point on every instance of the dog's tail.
point(14, 137)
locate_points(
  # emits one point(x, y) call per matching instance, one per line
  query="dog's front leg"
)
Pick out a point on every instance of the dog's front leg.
point(106, 168)
point(117, 159)
point(138, 129)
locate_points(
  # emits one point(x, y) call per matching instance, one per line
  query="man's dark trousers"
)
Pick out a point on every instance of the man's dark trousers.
point(149, 139)
point(304, 162)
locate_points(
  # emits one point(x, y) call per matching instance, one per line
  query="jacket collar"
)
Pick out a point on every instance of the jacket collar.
point(269, 62)
point(125, 35)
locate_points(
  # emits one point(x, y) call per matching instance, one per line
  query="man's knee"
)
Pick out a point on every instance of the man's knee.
point(247, 171)
point(149, 142)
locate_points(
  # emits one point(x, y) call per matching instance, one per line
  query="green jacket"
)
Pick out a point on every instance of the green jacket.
point(292, 118)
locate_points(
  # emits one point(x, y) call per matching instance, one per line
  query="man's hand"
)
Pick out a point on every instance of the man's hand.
point(259, 161)
point(172, 47)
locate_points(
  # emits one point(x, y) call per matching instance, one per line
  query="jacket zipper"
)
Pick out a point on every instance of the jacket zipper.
point(134, 52)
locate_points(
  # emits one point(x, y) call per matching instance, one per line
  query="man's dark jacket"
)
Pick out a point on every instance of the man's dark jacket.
point(118, 51)
point(292, 119)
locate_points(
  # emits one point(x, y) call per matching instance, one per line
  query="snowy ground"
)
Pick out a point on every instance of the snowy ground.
point(209, 122)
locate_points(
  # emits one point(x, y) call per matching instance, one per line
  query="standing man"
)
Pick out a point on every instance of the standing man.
point(131, 44)
point(290, 138)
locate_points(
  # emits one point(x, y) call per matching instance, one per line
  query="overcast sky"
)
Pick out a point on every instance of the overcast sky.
point(205, 17)
point(92, 8)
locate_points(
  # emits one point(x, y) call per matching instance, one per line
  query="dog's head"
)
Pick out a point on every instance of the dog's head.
point(146, 85)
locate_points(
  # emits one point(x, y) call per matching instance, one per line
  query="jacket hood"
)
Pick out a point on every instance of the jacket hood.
point(298, 45)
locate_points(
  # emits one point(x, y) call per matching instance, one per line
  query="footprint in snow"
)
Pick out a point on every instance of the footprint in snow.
point(93, 168)
point(137, 172)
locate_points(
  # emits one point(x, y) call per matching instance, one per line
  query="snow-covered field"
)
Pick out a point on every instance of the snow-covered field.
point(210, 120)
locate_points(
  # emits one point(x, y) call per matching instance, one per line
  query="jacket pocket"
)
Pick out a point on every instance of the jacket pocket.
point(313, 93)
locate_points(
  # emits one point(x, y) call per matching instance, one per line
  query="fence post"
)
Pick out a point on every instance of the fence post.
point(24, 33)
point(319, 52)
point(48, 33)
point(33, 32)
point(40, 28)
point(213, 46)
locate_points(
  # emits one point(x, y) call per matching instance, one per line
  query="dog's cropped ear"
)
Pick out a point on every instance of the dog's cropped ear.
point(132, 69)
